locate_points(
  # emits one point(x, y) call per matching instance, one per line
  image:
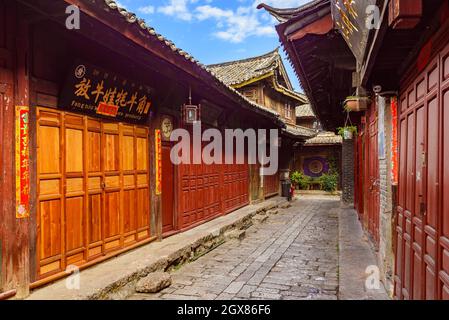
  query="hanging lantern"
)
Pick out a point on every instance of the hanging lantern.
point(190, 113)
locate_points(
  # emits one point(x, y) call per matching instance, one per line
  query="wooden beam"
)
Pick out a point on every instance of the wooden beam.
point(318, 27)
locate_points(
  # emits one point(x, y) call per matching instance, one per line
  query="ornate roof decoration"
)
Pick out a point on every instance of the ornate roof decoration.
point(325, 138)
point(283, 15)
point(133, 19)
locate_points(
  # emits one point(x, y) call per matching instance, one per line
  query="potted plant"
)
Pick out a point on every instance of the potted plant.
point(347, 132)
point(300, 180)
point(356, 103)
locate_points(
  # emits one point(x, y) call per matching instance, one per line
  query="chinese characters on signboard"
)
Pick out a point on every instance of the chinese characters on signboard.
point(158, 151)
point(90, 90)
point(22, 162)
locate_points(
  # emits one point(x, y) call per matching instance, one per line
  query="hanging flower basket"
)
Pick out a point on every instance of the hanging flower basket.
point(357, 104)
point(347, 132)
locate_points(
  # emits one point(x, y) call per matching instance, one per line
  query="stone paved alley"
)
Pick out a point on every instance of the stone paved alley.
point(295, 255)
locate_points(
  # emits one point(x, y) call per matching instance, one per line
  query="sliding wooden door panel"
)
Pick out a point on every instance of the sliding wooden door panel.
point(93, 187)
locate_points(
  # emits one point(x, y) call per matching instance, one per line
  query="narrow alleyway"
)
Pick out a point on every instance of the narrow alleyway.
point(293, 256)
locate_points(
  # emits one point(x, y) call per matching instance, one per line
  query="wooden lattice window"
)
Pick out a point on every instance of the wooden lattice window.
point(251, 94)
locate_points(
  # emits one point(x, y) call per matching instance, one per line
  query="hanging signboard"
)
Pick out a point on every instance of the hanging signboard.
point(93, 91)
point(355, 19)
point(158, 156)
point(22, 162)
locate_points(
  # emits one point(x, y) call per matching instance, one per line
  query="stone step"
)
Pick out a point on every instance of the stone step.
point(154, 283)
point(235, 234)
point(260, 219)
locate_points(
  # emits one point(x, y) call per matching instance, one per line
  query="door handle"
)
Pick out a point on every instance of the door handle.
point(422, 209)
point(103, 185)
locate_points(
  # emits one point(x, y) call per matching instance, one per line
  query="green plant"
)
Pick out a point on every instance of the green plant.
point(329, 182)
point(341, 131)
point(301, 180)
point(333, 168)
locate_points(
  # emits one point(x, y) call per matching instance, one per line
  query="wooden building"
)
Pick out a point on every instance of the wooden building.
point(319, 154)
point(400, 63)
point(85, 120)
point(264, 80)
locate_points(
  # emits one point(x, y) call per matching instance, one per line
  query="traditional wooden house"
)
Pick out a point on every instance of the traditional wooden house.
point(320, 154)
point(264, 80)
point(305, 117)
point(396, 54)
point(85, 119)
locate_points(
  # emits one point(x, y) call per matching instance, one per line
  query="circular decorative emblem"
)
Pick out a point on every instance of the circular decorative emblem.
point(80, 71)
point(315, 166)
point(166, 127)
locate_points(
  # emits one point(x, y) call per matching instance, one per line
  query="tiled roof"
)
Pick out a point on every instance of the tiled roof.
point(325, 138)
point(132, 18)
point(237, 72)
point(300, 131)
point(305, 111)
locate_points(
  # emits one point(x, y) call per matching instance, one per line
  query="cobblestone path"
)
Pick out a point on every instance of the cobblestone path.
point(294, 255)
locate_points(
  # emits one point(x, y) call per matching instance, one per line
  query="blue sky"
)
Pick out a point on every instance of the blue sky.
point(215, 31)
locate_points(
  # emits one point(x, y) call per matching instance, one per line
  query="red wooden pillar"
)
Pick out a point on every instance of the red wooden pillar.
point(21, 239)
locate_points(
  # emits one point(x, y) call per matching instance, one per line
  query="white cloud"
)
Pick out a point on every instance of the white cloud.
point(233, 25)
point(146, 9)
point(178, 9)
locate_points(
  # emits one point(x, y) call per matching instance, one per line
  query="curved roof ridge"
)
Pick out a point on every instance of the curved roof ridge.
point(272, 53)
point(282, 15)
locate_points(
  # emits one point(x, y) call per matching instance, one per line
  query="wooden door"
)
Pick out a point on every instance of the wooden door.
point(271, 185)
point(93, 189)
point(441, 217)
point(422, 253)
point(235, 185)
point(168, 191)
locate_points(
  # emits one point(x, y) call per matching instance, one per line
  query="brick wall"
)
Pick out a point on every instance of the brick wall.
point(385, 254)
point(347, 178)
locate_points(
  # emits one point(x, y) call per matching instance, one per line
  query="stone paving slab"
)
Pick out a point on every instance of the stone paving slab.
point(115, 278)
point(356, 255)
point(311, 251)
point(292, 256)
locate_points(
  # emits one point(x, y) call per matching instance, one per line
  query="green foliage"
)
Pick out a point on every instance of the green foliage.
point(341, 131)
point(333, 167)
point(329, 182)
point(301, 180)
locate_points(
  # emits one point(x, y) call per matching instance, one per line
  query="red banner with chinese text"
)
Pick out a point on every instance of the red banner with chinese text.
point(158, 151)
point(394, 142)
point(22, 162)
